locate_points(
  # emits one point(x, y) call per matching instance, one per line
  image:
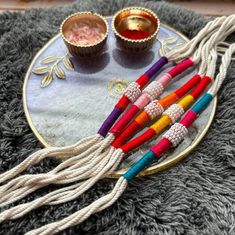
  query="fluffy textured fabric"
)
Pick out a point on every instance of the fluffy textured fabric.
point(195, 197)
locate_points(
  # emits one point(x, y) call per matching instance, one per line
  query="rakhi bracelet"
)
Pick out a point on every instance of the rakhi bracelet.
point(151, 92)
point(171, 138)
point(130, 95)
point(154, 109)
point(171, 115)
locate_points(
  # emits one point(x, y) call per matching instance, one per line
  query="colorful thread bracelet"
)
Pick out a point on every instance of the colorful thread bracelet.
point(171, 138)
point(154, 109)
point(171, 115)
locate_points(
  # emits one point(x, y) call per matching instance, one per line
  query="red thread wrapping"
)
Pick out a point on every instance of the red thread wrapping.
point(188, 86)
point(124, 120)
point(181, 67)
point(138, 141)
point(123, 103)
point(189, 118)
point(129, 131)
point(201, 87)
point(161, 147)
point(142, 81)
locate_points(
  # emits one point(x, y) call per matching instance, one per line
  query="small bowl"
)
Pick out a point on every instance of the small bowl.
point(85, 19)
point(135, 28)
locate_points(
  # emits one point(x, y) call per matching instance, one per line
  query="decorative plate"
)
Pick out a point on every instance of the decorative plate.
point(66, 99)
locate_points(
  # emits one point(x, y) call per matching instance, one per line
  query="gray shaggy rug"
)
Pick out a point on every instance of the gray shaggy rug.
point(195, 197)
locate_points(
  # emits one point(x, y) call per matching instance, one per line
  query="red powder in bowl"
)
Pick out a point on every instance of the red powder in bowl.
point(135, 34)
point(85, 33)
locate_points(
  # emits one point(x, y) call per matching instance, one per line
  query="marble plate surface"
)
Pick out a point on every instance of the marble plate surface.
point(69, 109)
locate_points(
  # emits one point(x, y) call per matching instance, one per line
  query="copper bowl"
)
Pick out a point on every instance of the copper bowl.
point(136, 19)
point(80, 49)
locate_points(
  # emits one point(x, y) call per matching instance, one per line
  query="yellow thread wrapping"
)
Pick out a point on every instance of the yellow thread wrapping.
point(161, 124)
point(186, 102)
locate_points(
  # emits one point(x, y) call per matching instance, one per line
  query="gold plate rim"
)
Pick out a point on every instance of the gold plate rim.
point(148, 171)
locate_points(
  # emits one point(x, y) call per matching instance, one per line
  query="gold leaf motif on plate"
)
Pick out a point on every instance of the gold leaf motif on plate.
point(68, 63)
point(46, 80)
point(49, 59)
point(59, 72)
point(41, 70)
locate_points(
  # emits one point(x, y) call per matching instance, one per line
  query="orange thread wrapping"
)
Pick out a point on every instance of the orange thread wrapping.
point(142, 118)
point(168, 100)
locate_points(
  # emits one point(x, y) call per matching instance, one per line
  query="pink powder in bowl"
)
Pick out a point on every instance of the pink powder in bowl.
point(85, 33)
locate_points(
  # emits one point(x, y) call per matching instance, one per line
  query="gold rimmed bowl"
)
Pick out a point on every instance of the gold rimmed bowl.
point(84, 33)
point(135, 28)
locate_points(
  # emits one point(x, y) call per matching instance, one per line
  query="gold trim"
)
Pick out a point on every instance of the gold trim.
point(151, 170)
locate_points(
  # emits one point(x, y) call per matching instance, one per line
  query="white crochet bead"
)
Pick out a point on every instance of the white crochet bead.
point(175, 111)
point(133, 91)
point(154, 89)
point(154, 109)
point(176, 133)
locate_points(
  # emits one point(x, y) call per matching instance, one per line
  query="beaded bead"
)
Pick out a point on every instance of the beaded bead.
point(133, 91)
point(175, 111)
point(154, 109)
point(176, 133)
point(154, 89)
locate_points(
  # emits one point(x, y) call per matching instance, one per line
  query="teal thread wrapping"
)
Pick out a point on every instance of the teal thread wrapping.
point(145, 161)
point(202, 103)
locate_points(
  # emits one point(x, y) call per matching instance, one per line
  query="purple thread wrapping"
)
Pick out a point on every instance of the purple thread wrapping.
point(109, 121)
point(155, 68)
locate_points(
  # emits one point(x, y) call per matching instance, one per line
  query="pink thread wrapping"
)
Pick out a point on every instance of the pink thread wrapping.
point(142, 101)
point(181, 67)
point(189, 118)
point(165, 79)
point(124, 120)
point(178, 69)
